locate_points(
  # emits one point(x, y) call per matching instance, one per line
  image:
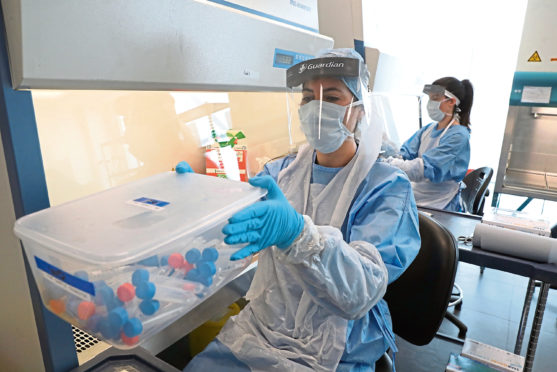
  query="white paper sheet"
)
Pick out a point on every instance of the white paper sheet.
point(535, 94)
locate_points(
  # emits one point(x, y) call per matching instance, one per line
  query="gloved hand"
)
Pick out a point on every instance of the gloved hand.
point(269, 222)
point(388, 149)
point(183, 167)
point(396, 159)
point(414, 168)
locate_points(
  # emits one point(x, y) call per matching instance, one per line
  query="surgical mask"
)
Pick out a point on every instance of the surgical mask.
point(329, 134)
point(434, 111)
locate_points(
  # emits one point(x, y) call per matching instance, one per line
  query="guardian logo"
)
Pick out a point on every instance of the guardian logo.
point(331, 64)
point(302, 68)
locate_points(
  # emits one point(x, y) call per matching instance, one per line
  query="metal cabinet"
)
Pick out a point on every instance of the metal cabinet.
point(528, 161)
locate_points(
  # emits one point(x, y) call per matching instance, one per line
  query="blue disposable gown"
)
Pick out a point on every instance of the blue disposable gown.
point(447, 161)
point(383, 213)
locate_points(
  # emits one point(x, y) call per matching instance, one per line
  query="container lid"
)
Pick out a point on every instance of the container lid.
point(129, 222)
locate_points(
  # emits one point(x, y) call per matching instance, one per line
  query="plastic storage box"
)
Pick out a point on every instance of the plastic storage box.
point(124, 263)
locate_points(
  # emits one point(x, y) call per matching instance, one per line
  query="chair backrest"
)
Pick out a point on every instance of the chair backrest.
point(418, 299)
point(473, 195)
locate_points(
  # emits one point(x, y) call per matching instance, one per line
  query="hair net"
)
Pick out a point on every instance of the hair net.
point(353, 83)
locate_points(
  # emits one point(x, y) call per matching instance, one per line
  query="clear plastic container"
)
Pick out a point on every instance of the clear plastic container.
point(124, 263)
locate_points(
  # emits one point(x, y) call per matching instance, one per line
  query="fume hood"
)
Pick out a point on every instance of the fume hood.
point(159, 45)
point(528, 160)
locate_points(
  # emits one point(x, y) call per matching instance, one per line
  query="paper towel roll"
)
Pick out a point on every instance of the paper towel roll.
point(515, 243)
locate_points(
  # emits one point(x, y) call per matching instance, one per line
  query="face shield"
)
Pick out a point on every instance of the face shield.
point(438, 93)
point(330, 98)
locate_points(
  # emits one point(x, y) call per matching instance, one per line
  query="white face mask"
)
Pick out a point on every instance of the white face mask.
point(324, 129)
point(434, 111)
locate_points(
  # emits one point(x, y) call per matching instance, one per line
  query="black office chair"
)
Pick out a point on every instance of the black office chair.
point(418, 299)
point(473, 196)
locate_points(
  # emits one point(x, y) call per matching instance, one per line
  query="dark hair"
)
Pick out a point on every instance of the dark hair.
point(465, 93)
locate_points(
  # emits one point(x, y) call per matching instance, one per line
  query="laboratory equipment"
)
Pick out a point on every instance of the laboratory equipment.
point(527, 165)
point(207, 45)
point(527, 162)
point(515, 243)
point(150, 250)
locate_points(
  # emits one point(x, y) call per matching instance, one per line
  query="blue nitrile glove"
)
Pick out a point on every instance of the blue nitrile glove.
point(183, 167)
point(269, 222)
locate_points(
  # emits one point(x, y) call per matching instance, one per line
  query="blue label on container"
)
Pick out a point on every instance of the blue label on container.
point(149, 203)
point(285, 58)
point(61, 275)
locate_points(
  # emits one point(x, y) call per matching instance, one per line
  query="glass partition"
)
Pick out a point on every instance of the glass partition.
point(94, 140)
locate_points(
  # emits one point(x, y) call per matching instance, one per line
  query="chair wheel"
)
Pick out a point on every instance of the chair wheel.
point(458, 306)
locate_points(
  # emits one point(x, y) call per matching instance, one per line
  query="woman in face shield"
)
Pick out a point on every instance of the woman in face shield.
point(337, 227)
point(436, 157)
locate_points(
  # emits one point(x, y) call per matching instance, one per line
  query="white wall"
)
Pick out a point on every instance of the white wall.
point(336, 21)
point(19, 343)
point(540, 29)
point(430, 39)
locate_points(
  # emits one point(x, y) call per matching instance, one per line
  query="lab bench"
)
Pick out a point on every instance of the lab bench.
point(460, 224)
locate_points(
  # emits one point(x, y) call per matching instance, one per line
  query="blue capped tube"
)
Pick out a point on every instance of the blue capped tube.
point(181, 292)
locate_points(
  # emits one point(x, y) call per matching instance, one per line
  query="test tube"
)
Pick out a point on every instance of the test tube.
point(149, 307)
point(140, 323)
point(108, 275)
point(121, 290)
point(110, 325)
point(140, 275)
point(226, 264)
point(193, 255)
point(206, 268)
point(196, 275)
point(60, 300)
point(118, 275)
point(53, 293)
point(173, 265)
point(178, 283)
point(80, 309)
point(184, 293)
point(210, 254)
point(92, 323)
point(125, 292)
point(105, 296)
point(118, 323)
point(150, 261)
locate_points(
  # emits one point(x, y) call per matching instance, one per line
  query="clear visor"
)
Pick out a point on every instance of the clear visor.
point(324, 91)
point(438, 93)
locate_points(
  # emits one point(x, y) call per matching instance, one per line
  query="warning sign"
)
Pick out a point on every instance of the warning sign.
point(535, 57)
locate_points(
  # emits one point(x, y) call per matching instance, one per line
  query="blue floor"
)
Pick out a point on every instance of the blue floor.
point(491, 309)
